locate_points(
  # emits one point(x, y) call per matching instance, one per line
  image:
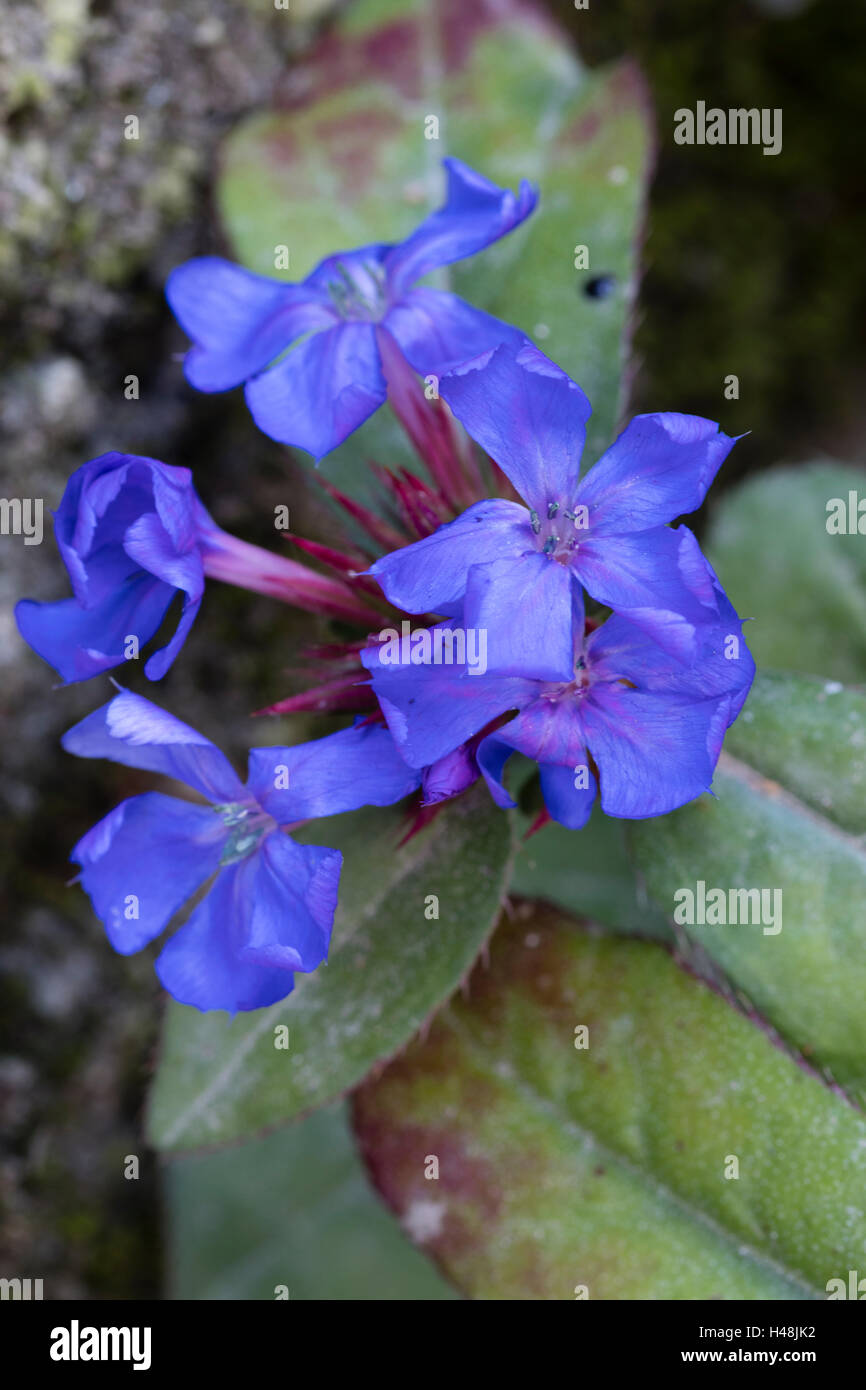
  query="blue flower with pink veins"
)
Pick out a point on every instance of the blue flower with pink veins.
point(630, 724)
point(518, 571)
point(316, 357)
point(270, 906)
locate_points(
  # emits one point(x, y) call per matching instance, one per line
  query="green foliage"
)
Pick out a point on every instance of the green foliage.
point(305, 1226)
point(788, 817)
point(804, 586)
point(670, 1152)
point(390, 966)
point(589, 873)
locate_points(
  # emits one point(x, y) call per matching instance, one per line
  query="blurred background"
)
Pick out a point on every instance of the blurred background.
point(753, 267)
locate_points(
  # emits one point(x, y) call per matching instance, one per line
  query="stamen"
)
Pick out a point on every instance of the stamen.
point(354, 300)
point(247, 825)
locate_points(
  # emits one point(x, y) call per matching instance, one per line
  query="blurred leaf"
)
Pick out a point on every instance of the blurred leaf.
point(606, 1166)
point(805, 588)
point(389, 968)
point(587, 872)
point(809, 735)
point(349, 163)
point(789, 814)
point(295, 1209)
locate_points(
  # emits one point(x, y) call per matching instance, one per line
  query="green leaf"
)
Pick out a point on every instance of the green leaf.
point(606, 1166)
point(349, 164)
point(588, 872)
point(295, 1210)
point(809, 735)
point(388, 969)
point(805, 587)
point(788, 816)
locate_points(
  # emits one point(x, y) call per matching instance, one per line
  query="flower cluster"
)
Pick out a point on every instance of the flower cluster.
point(556, 615)
point(634, 709)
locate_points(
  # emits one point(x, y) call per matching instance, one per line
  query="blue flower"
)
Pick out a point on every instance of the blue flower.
point(631, 720)
point(517, 571)
point(134, 535)
point(353, 310)
point(270, 907)
point(129, 531)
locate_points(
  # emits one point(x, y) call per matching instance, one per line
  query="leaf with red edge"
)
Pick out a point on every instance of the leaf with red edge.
point(670, 1151)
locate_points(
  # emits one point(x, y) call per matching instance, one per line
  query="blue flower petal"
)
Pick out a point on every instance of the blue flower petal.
point(493, 753)
point(551, 734)
point(657, 470)
point(548, 731)
point(100, 501)
point(529, 417)
point(431, 710)
point(179, 507)
point(354, 767)
point(83, 642)
point(726, 711)
point(525, 608)
point(264, 918)
point(723, 664)
point(568, 801)
point(131, 730)
point(143, 861)
point(324, 389)
point(650, 577)
point(437, 331)
point(238, 321)
point(202, 965)
point(652, 750)
point(150, 545)
point(290, 911)
point(430, 575)
point(125, 561)
point(475, 213)
point(355, 278)
point(448, 776)
point(156, 665)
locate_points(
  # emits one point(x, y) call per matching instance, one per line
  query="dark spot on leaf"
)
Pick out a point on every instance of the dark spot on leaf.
point(600, 287)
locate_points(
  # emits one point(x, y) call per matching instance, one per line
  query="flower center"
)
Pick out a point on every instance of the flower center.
point(247, 826)
point(557, 531)
point(574, 689)
point(358, 291)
